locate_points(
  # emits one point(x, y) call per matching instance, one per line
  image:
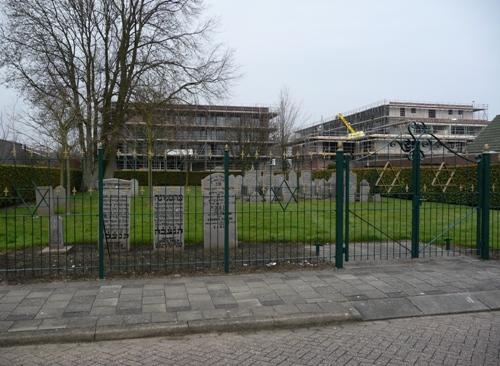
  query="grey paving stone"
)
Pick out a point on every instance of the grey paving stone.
point(448, 303)
point(102, 310)
point(138, 319)
point(5, 324)
point(154, 308)
point(489, 298)
point(189, 315)
point(286, 309)
point(110, 320)
point(39, 294)
point(164, 317)
point(215, 314)
point(153, 300)
point(53, 324)
point(24, 325)
point(385, 308)
point(113, 301)
point(231, 305)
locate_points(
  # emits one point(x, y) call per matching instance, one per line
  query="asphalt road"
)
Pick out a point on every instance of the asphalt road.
point(465, 339)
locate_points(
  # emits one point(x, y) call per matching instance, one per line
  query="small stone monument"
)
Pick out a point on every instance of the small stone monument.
point(377, 197)
point(134, 187)
point(213, 213)
point(116, 207)
point(305, 184)
point(60, 197)
point(44, 200)
point(56, 236)
point(364, 191)
point(249, 182)
point(168, 217)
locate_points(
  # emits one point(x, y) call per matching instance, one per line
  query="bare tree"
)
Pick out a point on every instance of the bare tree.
point(100, 50)
point(289, 114)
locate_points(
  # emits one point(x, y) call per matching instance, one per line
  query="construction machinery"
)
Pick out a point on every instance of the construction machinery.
point(353, 134)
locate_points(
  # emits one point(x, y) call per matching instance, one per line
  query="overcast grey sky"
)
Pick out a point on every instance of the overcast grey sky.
point(338, 55)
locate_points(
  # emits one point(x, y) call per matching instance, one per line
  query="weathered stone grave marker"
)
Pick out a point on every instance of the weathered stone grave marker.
point(44, 200)
point(213, 213)
point(364, 191)
point(116, 205)
point(168, 216)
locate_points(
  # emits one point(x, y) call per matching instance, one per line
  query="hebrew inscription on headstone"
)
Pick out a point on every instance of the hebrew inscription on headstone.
point(213, 213)
point(168, 213)
point(116, 207)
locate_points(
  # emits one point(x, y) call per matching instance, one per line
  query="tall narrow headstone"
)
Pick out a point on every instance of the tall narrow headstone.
point(213, 213)
point(44, 200)
point(305, 183)
point(56, 235)
point(364, 191)
point(168, 216)
point(60, 197)
point(116, 207)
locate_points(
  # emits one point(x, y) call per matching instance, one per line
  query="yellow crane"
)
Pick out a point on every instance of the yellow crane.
point(353, 134)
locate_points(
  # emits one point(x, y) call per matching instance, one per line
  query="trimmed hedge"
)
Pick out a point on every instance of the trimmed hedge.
point(20, 181)
point(463, 183)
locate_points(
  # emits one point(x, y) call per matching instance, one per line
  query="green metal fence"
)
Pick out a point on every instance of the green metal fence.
point(414, 198)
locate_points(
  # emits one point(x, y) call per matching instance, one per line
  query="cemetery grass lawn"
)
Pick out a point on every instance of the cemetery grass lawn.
point(307, 222)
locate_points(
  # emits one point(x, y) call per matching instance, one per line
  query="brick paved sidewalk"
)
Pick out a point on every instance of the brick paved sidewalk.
point(123, 308)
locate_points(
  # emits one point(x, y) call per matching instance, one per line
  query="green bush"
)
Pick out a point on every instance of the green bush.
point(20, 181)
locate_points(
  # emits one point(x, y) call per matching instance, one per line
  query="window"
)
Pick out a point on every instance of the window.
point(402, 112)
point(414, 110)
point(450, 111)
point(460, 113)
point(432, 113)
point(457, 130)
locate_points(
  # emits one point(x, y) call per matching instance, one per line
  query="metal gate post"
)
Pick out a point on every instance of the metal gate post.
point(416, 199)
point(347, 193)
point(480, 203)
point(339, 207)
point(226, 209)
point(485, 208)
point(100, 243)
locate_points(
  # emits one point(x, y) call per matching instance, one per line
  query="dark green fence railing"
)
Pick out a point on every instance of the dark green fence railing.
point(249, 211)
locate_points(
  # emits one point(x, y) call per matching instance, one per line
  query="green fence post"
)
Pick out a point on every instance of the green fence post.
point(480, 203)
point(339, 207)
point(100, 243)
point(226, 209)
point(346, 225)
point(415, 184)
point(485, 214)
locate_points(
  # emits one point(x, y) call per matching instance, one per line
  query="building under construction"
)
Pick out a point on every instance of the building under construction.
point(193, 137)
point(456, 125)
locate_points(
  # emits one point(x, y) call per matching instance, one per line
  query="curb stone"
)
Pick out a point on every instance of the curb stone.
point(175, 328)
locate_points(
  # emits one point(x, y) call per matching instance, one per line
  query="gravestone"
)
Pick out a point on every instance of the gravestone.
point(377, 197)
point(289, 190)
point(56, 236)
point(116, 207)
point(364, 191)
point(254, 197)
point(320, 188)
point(134, 187)
point(331, 185)
point(353, 186)
point(60, 196)
point(168, 217)
point(267, 180)
point(250, 182)
point(213, 213)
point(44, 200)
point(305, 183)
point(269, 196)
point(237, 185)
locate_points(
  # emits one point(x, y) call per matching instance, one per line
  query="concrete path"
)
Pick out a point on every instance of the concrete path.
point(126, 308)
